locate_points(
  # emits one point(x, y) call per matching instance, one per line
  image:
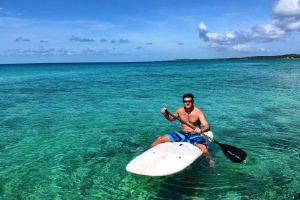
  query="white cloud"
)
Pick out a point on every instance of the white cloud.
point(285, 20)
point(123, 41)
point(242, 47)
point(40, 51)
point(20, 39)
point(202, 26)
point(120, 41)
point(78, 39)
point(51, 51)
point(287, 8)
point(249, 48)
point(268, 32)
point(89, 51)
point(286, 15)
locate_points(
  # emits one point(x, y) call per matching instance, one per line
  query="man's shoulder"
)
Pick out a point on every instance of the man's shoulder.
point(180, 109)
point(197, 110)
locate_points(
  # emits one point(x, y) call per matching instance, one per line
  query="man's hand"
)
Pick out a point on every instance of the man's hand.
point(198, 130)
point(164, 111)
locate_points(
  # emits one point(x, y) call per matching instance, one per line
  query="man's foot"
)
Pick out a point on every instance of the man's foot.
point(212, 163)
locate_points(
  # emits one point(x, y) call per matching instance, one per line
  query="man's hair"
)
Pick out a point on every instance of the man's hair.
point(188, 96)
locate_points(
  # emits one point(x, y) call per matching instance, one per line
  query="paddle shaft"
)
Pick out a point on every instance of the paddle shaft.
point(211, 139)
point(233, 153)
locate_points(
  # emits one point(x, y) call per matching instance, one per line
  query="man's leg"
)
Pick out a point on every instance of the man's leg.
point(160, 139)
point(204, 149)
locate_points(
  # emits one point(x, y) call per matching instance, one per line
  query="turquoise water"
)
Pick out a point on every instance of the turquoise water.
point(67, 129)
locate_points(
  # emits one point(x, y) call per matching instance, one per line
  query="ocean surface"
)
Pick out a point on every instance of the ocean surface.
point(67, 129)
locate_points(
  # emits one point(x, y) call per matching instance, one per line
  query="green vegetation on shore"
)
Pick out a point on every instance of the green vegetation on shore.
point(286, 56)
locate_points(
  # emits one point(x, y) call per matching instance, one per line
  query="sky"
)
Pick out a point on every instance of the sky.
point(35, 31)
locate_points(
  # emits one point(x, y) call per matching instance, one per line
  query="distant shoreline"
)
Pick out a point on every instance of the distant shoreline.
point(286, 56)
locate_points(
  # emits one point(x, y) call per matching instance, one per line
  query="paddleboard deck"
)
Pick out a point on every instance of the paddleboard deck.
point(165, 158)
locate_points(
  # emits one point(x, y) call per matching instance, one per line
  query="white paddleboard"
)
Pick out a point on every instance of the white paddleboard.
point(166, 158)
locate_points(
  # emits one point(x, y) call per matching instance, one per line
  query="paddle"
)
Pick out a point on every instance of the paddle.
point(235, 154)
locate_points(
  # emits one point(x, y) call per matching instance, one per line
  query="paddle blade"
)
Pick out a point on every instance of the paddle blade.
point(235, 154)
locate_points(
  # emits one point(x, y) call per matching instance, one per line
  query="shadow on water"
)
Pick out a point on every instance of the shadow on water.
point(282, 145)
point(297, 196)
point(177, 189)
point(203, 182)
point(183, 185)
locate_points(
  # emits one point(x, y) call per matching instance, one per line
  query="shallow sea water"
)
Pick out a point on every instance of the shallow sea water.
point(67, 129)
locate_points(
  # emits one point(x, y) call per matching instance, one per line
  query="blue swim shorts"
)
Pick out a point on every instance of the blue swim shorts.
point(180, 136)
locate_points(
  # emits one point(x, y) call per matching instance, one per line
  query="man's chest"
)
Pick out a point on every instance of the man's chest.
point(192, 117)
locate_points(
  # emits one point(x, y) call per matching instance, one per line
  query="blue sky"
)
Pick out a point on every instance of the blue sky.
point(36, 31)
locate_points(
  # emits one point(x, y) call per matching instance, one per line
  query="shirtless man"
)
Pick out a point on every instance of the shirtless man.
point(195, 117)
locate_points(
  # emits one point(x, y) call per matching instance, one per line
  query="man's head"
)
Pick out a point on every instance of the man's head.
point(188, 100)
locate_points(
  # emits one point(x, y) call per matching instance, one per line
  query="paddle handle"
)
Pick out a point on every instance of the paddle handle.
point(211, 139)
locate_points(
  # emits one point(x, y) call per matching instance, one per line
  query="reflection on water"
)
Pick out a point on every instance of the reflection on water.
point(67, 131)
